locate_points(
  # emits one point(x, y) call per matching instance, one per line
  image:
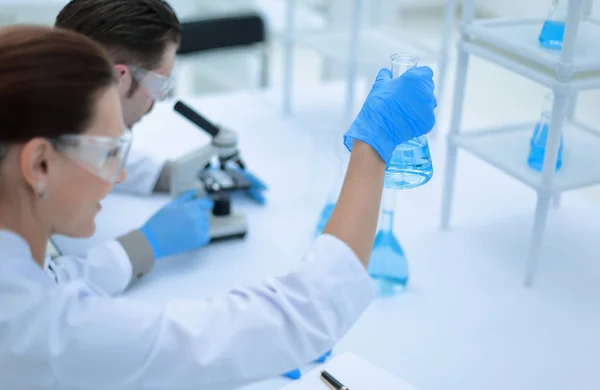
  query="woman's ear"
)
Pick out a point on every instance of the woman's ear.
point(123, 78)
point(34, 163)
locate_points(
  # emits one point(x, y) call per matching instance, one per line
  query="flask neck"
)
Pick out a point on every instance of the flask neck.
point(547, 107)
point(558, 10)
point(546, 117)
point(388, 210)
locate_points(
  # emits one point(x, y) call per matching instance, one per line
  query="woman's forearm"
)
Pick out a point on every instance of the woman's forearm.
point(354, 219)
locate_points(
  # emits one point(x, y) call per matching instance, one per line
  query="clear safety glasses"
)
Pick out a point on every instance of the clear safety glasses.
point(102, 156)
point(156, 85)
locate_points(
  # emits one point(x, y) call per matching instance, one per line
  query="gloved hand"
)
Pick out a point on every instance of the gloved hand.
point(258, 186)
point(180, 226)
point(296, 374)
point(323, 358)
point(396, 110)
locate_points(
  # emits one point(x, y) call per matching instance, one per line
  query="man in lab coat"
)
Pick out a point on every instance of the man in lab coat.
point(142, 37)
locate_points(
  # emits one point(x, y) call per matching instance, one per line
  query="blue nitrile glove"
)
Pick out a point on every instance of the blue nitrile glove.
point(180, 226)
point(396, 110)
point(257, 187)
point(323, 358)
point(296, 374)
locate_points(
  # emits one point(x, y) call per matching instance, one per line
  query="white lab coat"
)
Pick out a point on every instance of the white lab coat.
point(107, 267)
point(72, 335)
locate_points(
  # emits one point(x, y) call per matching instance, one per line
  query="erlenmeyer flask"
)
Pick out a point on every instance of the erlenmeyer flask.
point(540, 137)
point(410, 165)
point(553, 30)
point(388, 265)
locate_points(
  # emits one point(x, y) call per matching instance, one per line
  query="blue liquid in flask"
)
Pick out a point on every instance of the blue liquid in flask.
point(538, 148)
point(410, 165)
point(324, 217)
point(552, 34)
point(388, 265)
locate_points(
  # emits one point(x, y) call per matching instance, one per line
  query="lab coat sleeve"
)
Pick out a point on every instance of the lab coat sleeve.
point(249, 334)
point(143, 172)
point(107, 268)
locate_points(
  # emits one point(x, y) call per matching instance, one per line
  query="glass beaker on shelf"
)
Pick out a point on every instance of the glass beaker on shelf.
point(540, 138)
point(553, 30)
point(388, 265)
point(410, 165)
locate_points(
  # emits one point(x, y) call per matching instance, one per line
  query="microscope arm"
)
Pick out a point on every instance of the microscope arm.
point(184, 173)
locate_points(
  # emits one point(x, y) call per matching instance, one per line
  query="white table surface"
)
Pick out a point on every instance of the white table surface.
point(466, 322)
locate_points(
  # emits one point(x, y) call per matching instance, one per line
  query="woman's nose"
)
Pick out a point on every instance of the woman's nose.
point(122, 176)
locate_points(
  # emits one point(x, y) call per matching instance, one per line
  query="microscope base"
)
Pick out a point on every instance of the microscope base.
point(233, 226)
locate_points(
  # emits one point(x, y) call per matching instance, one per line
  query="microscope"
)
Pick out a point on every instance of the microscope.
point(208, 170)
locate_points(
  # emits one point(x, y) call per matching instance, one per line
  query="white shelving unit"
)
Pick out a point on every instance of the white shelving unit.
point(520, 37)
point(513, 44)
point(507, 149)
point(359, 48)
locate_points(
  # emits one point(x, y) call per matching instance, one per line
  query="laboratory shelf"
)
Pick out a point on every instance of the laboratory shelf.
point(530, 69)
point(513, 43)
point(520, 38)
point(375, 45)
point(507, 148)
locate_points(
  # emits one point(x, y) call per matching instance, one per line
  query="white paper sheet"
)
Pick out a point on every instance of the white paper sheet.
point(354, 373)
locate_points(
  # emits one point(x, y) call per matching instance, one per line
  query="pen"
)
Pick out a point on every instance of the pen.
point(332, 382)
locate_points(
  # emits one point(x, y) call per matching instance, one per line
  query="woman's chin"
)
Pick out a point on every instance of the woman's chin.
point(83, 230)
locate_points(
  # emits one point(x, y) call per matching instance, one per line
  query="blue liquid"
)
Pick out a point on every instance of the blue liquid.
point(410, 165)
point(323, 218)
point(552, 34)
point(538, 148)
point(388, 265)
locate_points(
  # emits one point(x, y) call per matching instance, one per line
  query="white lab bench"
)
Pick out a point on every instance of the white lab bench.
point(466, 322)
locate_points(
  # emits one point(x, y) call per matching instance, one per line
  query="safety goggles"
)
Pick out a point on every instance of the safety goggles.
point(156, 85)
point(102, 156)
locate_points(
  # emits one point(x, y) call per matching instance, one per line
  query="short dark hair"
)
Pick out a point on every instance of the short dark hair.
point(135, 32)
point(49, 82)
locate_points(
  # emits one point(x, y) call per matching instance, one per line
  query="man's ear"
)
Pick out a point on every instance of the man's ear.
point(124, 78)
point(33, 161)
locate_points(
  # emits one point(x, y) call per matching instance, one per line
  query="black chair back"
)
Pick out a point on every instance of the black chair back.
point(221, 32)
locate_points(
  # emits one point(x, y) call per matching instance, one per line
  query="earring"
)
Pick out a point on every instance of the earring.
point(41, 192)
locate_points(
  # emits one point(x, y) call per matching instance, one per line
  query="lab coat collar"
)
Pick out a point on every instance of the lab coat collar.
point(16, 258)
